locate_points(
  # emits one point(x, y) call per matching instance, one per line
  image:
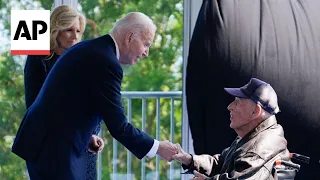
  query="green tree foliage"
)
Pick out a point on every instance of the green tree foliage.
point(11, 110)
point(161, 71)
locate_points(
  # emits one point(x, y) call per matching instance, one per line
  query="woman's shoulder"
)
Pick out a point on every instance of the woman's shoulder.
point(36, 61)
point(51, 56)
point(39, 57)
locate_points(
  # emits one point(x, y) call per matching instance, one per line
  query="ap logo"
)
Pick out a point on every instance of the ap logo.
point(30, 32)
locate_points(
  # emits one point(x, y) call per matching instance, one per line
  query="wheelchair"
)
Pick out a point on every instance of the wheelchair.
point(287, 170)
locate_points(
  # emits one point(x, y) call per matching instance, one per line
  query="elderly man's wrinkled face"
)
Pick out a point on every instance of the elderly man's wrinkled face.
point(138, 45)
point(241, 112)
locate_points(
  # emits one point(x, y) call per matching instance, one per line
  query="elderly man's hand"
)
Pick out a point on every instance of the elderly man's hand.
point(166, 150)
point(96, 144)
point(199, 176)
point(182, 156)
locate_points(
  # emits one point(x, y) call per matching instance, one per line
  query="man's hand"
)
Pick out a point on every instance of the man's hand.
point(182, 156)
point(166, 150)
point(96, 144)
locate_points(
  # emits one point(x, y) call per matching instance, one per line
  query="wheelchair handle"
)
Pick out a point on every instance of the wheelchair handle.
point(288, 164)
point(300, 158)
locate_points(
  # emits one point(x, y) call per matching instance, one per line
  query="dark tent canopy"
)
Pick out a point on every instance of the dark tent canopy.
point(277, 41)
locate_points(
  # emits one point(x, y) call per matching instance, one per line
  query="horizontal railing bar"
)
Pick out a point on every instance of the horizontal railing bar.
point(151, 94)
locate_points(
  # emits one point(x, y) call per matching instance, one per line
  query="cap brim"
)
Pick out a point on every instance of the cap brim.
point(236, 92)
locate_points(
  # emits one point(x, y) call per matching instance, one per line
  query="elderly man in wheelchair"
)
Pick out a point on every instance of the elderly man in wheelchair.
point(260, 150)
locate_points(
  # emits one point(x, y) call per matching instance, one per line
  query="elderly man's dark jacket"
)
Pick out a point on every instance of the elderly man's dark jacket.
point(250, 157)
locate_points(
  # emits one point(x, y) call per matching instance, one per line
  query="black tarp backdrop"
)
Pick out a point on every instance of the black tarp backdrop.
point(277, 41)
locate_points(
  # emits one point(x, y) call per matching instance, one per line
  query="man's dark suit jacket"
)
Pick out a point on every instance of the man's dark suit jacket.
point(83, 85)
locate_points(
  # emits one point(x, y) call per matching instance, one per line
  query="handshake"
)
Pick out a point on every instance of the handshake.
point(169, 152)
point(166, 150)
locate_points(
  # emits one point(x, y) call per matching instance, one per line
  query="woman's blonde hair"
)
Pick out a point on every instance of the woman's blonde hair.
point(62, 17)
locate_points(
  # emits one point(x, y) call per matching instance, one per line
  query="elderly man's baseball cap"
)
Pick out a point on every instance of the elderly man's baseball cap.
point(258, 91)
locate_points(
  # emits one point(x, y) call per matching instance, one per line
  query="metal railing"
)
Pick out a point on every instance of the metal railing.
point(144, 95)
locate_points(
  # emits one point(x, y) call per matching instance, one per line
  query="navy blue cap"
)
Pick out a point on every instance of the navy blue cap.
point(258, 91)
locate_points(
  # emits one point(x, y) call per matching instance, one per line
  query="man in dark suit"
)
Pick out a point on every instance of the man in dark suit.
point(82, 88)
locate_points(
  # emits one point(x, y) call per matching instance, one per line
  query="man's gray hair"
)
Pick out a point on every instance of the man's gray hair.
point(134, 21)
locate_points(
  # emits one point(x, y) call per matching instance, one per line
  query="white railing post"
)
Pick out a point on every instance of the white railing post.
point(129, 155)
point(144, 117)
point(158, 136)
point(172, 124)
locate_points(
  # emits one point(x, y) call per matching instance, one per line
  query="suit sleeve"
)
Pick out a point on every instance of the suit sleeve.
point(109, 102)
point(34, 76)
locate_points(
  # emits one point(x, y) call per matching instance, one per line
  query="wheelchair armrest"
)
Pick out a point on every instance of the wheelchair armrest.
point(285, 170)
